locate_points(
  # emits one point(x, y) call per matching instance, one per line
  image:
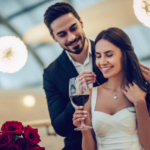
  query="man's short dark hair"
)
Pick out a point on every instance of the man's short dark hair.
point(57, 10)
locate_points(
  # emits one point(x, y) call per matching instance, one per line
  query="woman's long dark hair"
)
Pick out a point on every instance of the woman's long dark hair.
point(133, 72)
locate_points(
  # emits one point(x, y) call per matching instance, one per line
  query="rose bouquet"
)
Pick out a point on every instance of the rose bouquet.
point(14, 136)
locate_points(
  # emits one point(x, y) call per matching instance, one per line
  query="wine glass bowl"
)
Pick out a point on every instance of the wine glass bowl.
point(79, 95)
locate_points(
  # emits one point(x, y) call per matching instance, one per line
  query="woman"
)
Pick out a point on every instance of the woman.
point(118, 109)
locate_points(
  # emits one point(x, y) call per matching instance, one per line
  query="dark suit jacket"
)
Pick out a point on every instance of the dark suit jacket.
point(56, 85)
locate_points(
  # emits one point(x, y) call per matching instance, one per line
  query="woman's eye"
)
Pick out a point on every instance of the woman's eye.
point(109, 55)
point(98, 56)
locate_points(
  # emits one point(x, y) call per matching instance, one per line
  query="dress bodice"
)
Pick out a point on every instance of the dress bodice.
point(115, 132)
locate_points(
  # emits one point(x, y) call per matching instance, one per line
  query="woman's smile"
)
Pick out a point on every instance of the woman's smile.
point(106, 69)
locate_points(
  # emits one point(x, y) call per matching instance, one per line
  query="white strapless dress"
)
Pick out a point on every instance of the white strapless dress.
point(115, 132)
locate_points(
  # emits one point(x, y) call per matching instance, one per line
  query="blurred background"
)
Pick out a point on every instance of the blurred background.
point(22, 97)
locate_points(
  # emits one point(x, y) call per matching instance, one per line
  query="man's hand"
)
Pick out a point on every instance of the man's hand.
point(134, 93)
point(146, 72)
point(89, 76)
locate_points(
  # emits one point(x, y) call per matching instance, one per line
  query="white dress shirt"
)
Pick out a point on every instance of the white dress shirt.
point(86, 66)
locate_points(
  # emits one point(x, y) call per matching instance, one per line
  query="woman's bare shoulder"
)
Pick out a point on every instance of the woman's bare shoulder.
point(88, 104)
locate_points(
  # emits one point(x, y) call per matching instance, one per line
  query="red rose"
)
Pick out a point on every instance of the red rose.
point(12, 127)
point(12, 147)
point(32, 135)
point(5, 139)
point(23, 144)
point(3, 148)
point(38, 148)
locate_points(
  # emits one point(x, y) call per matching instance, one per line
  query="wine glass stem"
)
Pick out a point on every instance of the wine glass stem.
point(82, 123)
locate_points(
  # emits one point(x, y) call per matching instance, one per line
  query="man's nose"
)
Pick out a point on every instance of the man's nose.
point(71, 37)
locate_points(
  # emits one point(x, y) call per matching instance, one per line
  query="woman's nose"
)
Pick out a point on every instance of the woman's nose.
point(103, 61)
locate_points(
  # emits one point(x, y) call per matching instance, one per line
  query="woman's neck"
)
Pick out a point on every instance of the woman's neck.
point(116, 83)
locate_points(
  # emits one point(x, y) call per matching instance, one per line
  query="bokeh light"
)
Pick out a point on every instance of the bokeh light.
point(13, 54)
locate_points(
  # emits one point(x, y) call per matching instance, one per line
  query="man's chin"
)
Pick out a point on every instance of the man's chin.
point(75, 51)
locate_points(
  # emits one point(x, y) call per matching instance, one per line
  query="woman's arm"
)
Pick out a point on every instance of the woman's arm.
point(84, 114)
point(143, 122)
point(88, 142)
point(137, 97)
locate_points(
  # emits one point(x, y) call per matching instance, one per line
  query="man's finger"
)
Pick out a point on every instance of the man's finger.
point(144, 67)
point(145, 70)
point(89, 73)
point(90, 82)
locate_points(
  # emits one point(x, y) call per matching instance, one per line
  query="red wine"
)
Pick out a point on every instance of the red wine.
point(79, 100)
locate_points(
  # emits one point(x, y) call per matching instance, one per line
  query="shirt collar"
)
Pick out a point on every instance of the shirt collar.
point(86, 60)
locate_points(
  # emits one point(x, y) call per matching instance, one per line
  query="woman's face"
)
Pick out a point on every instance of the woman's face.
point(108, 58)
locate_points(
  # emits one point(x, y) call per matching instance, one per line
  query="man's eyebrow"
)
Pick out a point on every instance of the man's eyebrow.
point(73, 25)
point(64, 31)
point(60, 32)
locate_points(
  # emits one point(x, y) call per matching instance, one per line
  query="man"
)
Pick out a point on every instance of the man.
point(66, 28)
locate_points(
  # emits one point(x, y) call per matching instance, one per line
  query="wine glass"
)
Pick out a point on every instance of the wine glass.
point(79, 95)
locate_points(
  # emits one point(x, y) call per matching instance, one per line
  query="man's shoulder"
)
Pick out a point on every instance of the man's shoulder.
point(53, 65)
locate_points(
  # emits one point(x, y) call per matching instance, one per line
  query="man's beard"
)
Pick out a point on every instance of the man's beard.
point(77, 49)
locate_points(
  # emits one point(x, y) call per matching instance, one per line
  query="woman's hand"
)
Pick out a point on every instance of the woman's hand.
point(134, 93)
point(81, 115)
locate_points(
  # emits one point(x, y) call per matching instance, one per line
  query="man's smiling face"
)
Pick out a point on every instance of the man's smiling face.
point(68, 32)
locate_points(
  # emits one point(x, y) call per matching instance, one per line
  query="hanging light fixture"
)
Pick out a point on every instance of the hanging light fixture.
point(13, 54)
point(142, 11)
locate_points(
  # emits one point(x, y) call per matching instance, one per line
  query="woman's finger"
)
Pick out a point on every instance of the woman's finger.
point(79, 116)
point(79, 108)
point(82, 112)
point(75, 122)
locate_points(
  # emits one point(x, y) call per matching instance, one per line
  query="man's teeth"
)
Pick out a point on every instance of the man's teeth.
point(106, 68)
point(74, 43)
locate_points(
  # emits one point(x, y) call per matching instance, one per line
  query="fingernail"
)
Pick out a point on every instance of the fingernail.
point(84, 111)
point(83, 118)
point(80, 106)
point(85, 115)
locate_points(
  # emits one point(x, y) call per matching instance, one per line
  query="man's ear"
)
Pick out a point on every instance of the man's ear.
point(81, 23)
point(53, 37)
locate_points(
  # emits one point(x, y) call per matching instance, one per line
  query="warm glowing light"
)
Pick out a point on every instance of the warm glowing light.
point(142, 11)
point(13, 54)
point(29, 101)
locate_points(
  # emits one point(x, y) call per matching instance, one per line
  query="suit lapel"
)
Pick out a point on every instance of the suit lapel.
point(71, 70)
point(67, 65)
